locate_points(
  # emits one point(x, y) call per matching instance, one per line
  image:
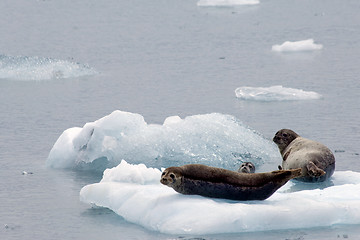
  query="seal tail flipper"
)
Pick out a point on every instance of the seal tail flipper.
point(295, 173)
point(314, 171)
point(286, 175)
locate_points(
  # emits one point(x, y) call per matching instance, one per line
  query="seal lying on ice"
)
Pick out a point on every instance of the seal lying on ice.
point(315, 159)
point(221, 183)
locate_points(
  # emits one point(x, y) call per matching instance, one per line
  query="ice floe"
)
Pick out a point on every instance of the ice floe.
point(303, 45)
point(214, 3)
point(215, 139)
point(274, 93)
point(135, 193)
point(40, 68)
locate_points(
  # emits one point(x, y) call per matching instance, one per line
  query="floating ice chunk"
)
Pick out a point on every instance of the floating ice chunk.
point(159, 208)
point(214, 139)
point(209, 3)
point(274, 93)
point(304, 45)
point(38, 68)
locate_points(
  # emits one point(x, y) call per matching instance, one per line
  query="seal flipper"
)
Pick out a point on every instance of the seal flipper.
point(313, 170)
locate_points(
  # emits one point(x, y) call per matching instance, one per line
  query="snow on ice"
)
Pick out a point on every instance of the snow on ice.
point(135, 193)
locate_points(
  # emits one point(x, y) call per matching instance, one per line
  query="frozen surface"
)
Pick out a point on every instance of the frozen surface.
point(164, 58)
point(214, 139)
point(134, 192)
point(304, 45)
point(227, 2)
point(274, 93)
point(40, 68)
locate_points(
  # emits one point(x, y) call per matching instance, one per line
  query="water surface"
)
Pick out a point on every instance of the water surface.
point(162, 58)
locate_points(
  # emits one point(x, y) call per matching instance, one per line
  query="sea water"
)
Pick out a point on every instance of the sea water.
point(64, 64)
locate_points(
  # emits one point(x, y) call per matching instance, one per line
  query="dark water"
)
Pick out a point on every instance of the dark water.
point(162, 58)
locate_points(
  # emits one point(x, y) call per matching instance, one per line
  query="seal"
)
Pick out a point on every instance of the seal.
point(315, 159)
point(198, 179)
point(246, 167)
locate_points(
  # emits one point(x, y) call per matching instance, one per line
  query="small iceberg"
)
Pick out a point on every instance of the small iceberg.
point(215, 139)
point(40, 68)
point(304, 45)
point(274, 93)
point(219, 3)
point(135, 193)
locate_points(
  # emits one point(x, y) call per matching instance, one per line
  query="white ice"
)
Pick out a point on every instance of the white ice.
point(135, 193)
point(212, 3)
point(304, 45)
point(40, 68)
point(274, 93)
point(214, 139)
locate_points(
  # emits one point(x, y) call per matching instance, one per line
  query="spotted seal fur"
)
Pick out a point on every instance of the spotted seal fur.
point(222, 183)
point(246, 167)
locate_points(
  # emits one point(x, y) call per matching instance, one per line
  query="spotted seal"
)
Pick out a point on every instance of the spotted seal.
point(315, 159)
point(222, 183)
point(246, 167)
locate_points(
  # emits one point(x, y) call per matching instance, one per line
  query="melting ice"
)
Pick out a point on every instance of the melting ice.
point(135, 193)
point(274, 93)
point(304, 45)
point(226, 2)
point(39, 68)
point(214, 139)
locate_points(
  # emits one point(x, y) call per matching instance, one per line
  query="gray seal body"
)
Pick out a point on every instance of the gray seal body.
point(315, 159)
point(221, 183)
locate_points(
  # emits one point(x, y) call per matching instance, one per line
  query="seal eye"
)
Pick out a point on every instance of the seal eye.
point(250, 166)
point(172, 175)
point(163, 174)
point(284, 135)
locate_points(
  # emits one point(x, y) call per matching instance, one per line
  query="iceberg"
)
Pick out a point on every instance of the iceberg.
point(304, 45)
point(213, 3)
point(40, 68)
point(274, 93)
point(135, 193)
point(215, 139)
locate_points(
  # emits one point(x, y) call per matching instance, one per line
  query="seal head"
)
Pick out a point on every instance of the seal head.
point(173, 177)
point(284, 137)
point(246, 167)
